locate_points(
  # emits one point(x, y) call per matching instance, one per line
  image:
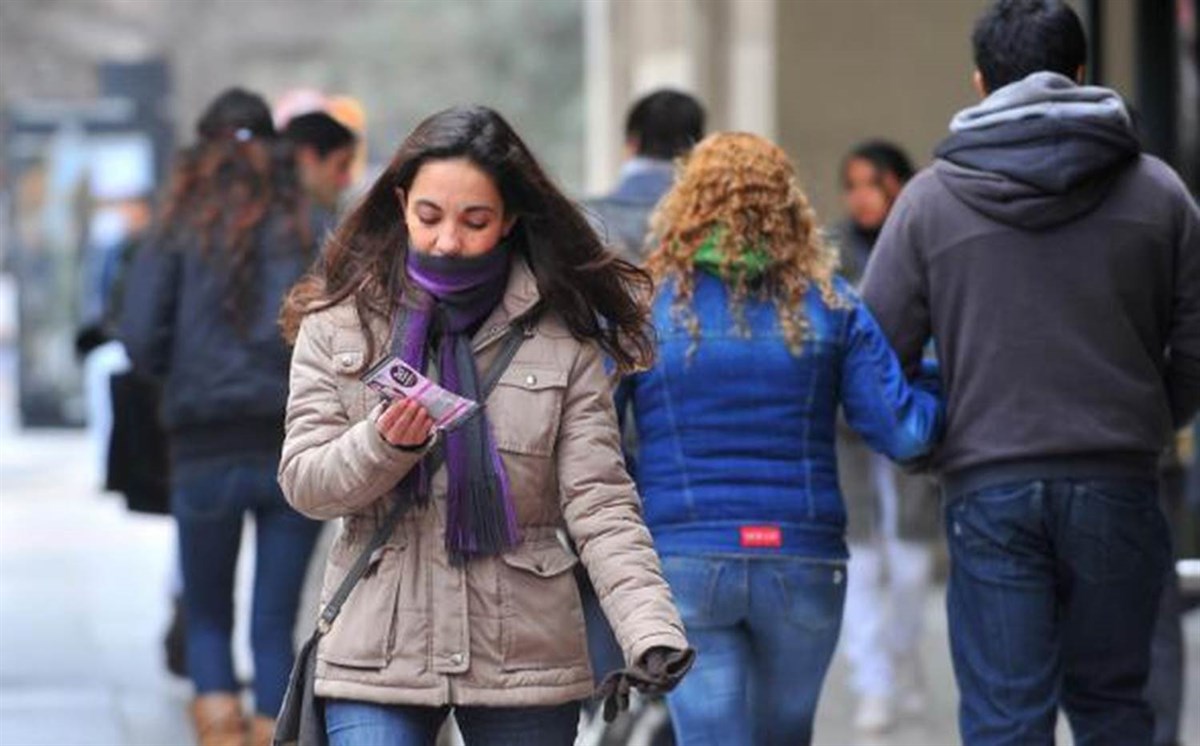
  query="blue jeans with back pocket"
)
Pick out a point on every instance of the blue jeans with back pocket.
point(764, 629)
point(1054, 588)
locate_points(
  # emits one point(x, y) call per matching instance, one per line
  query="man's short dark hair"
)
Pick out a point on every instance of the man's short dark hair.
point(665, 124)
point(319, 131)
point(1016, 38)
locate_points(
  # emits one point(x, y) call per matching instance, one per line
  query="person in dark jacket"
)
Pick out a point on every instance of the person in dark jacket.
point(325, 150)
point(200, 314)
point(873, 173)
point(891, 514)
point(660, 127)
point(760, 343)
point(1057, 269)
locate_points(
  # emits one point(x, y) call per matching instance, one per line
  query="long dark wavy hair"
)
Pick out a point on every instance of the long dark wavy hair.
point(599, 296)
point(223, 188)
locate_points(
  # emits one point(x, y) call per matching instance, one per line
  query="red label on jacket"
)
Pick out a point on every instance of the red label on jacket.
point(762, 537)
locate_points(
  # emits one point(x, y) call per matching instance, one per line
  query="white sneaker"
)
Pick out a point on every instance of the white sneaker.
point(874, 714)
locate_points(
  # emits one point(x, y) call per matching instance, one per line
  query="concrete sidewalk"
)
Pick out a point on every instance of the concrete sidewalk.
point(83, 603)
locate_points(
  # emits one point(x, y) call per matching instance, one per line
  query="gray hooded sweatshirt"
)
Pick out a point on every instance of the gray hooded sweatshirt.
point(1058, 270)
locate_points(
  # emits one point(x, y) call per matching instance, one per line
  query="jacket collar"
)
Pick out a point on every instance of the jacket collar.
point(644, 181)
point(520, 297)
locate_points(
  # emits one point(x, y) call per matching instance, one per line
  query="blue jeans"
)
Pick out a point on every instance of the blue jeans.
point(209, 501)
point(350, 723)
point(1054, 588)
point(764, 630)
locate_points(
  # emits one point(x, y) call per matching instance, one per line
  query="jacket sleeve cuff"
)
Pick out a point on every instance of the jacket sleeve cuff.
point(666, 639)
point(389, 457)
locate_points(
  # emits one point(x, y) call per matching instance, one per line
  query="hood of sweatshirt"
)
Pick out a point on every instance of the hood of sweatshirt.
point(1039, 152)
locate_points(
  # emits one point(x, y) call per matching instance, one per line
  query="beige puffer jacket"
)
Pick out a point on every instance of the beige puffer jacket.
point(501, 631)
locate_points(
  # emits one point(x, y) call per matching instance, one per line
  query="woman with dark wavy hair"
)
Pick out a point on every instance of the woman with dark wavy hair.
point(461, 247)
point(200, 314)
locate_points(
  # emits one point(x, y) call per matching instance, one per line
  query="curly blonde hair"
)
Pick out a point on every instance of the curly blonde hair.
point(741, 191)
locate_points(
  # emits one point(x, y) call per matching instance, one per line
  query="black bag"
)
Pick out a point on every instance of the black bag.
point(138, 464)
point(301, 720)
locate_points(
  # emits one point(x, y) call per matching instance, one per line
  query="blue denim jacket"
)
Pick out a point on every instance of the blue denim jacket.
point(736, 441)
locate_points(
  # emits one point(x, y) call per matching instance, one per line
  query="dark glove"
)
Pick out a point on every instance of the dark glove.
point(659, 671)
point(89, 338)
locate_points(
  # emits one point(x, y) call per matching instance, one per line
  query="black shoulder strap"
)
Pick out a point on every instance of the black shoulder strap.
point(513, 339)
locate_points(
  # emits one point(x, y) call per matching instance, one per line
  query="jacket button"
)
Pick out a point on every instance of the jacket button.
point(457, 659)
point(531, 380)
point(347, 361)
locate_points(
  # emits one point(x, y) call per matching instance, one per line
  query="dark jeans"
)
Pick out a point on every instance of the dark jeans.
point(1054, 589)
point(764, 630)
point(350, 723)
point(209, 502)
point(1164, 689)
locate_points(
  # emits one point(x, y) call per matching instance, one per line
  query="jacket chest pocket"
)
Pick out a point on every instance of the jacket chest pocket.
point(524, 412)
point(541, 622)
point(525, 409)
point(356, 399)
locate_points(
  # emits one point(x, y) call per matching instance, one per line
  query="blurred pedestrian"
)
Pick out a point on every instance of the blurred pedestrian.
point(461, 251)
point(116, 228)
point(1056, 268)
point(325, 152)
point(200, 314)
point(891, 515)
point(759, 345)
point(660, 127)
point(123, 404)
point(873, 173)
point(351, 113)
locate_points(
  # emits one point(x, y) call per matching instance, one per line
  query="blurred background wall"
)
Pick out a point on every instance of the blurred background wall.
point(80, 79)
point(820, 75)
point(84, 81)
point(403, 59)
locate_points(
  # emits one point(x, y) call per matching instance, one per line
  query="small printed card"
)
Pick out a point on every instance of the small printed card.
point(395, 379)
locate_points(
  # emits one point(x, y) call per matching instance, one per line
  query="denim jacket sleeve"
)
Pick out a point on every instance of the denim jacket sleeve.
point(149, 307)
point(623, 400)
point(900, 419)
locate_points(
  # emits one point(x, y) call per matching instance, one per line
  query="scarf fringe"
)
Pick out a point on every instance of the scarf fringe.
point(479, 522)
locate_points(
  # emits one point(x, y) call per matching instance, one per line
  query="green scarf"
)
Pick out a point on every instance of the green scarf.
point(750, 265)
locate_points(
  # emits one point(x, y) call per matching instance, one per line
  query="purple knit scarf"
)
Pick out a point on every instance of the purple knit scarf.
point(448, 298)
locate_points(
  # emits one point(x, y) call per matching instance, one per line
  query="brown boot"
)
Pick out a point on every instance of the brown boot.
point(218, 720)
point(262, 730)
